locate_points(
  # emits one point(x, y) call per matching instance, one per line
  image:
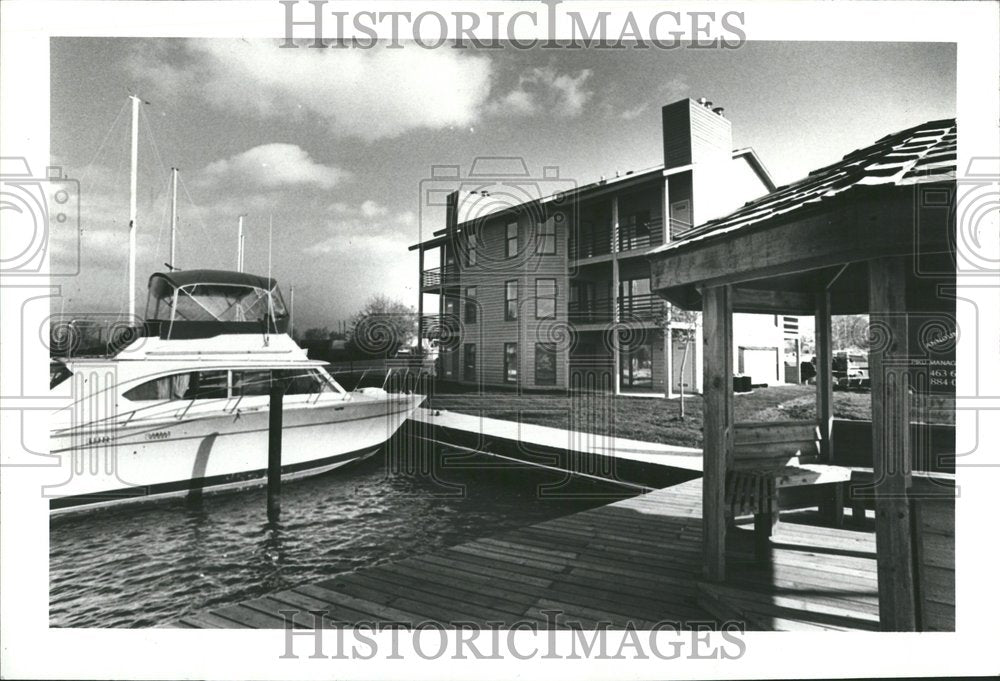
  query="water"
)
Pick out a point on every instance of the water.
point(152, 563)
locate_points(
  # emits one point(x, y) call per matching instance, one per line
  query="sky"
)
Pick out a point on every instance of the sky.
point(328, 150)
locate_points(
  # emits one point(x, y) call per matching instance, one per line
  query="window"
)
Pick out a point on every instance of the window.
point(510, 362)
point(251, 383)
point(470, 305)
point(545, 364)
point(469, 372)
point(304, 381)
point(510, 296)
point(193, 385)
point(547, 237)
point(470, 255)
point(635, 298)
point(637, 366)
point(545, 298)
point(511, 239)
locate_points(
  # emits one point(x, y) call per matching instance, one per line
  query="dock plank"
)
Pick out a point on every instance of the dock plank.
point(636, 561)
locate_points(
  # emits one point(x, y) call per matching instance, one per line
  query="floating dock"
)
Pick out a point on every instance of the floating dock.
point(635, 563)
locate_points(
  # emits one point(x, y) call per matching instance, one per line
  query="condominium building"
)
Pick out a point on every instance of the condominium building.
point(543, 289)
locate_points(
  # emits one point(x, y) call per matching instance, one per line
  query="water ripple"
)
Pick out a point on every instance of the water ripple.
point(142, 566)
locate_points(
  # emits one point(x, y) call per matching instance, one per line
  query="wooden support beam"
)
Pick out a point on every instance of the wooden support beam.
point(846, 232)
point(668, 362)
point(274, 450)
point(616, 351)
point(891, 442)
point(763, 301)
point(420, 303)
point(718, 425)
point(824, 394)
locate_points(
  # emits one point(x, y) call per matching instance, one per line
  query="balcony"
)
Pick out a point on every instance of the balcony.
point(590, 311)
point(439, 277)
point(590, 244)
point(439, 326)
point(640, 307)
point(632, 237)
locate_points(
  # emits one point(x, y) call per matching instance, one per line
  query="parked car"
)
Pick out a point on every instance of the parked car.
point(850, 370)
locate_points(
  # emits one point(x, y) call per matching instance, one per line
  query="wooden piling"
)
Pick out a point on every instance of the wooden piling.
point(274, 450)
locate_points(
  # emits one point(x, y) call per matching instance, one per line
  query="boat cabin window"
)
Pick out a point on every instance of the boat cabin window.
point(306, 382)
point(251, 383)
point(205, 385)
point(191, 385)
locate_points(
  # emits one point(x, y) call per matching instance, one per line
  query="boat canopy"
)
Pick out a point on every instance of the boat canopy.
point(200, 303)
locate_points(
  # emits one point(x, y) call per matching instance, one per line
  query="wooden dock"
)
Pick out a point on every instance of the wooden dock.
point(637, 562)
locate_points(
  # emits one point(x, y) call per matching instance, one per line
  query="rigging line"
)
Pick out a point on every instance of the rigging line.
point(163, 219)
point(201, 220)
point(107, 136)
point(152, 140)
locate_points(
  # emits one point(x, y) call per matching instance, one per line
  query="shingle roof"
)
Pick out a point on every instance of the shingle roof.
point(924, 153)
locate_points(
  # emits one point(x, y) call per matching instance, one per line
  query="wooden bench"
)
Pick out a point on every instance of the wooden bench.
point(766, 457)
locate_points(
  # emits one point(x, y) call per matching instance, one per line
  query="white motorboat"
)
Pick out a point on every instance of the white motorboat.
point(184, 407)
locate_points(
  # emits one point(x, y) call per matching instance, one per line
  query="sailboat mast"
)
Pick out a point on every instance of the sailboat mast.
point(173, 217)
point(291, 311)
point(132, 210)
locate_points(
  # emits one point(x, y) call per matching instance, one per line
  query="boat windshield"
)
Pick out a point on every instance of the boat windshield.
point(215, 303)
point(225, 303)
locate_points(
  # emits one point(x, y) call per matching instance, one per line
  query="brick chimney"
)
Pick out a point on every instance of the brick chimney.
point(695, 133)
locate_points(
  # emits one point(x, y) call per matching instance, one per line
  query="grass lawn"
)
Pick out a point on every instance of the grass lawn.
point(658, 420)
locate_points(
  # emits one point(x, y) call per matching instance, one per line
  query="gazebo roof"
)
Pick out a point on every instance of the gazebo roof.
point(921, 154)
point(893, 198)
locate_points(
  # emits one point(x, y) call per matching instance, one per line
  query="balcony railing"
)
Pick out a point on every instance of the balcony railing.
point(590, 311)
point(643, 235)
point(644, 307)
point(439, 326)
point(439, 276)
point(590, 244)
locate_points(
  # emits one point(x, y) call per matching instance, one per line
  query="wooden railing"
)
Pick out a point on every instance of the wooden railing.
point(590, 311)
point(590, 244)
point(644, 235)
point(439, 276)
point(439, 326)
point(643, 306)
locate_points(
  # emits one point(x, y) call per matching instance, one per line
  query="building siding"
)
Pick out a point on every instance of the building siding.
point(715, 183)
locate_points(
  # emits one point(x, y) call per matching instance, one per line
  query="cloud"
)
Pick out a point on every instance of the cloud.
point(368, 228)
point(675, 88)
point(544, 90)
point(371, 209)
point(271, 166)
point(371, 94)
point(633, 113)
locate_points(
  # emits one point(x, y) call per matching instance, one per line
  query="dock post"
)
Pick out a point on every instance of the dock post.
point(274, 450)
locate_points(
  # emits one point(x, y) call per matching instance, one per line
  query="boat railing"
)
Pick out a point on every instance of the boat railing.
point(92, 335)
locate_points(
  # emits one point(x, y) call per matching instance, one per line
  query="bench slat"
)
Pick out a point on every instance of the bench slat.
point(790, 431)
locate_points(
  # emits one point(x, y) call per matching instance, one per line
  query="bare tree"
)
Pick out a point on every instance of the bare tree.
point(849, 331)
point(382, 326)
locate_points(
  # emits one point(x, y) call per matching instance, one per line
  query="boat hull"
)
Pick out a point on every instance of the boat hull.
point(166, 455)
